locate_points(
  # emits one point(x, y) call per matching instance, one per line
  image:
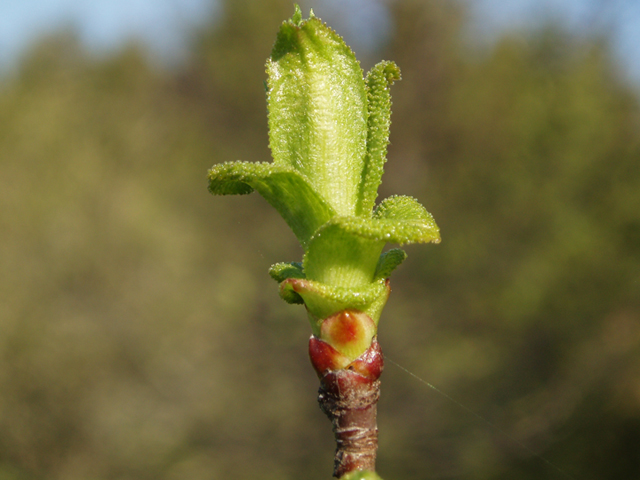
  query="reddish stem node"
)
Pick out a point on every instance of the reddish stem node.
point(349, 398)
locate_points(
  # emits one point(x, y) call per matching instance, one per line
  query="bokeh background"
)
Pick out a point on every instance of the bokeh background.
point(141, 336)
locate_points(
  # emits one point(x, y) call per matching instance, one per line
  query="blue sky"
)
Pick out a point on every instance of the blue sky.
point(101, 24)
point(162, 24)
point(619, 19)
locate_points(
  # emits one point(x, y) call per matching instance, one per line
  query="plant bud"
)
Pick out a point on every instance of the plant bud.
point(349, 332)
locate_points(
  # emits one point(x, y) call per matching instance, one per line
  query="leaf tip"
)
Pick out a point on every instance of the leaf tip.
point(392, 72)
point(296, 19)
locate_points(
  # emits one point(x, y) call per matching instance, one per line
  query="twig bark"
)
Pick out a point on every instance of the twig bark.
point(349, 398)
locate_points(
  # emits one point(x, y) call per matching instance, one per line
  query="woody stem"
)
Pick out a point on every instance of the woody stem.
point(349, 398)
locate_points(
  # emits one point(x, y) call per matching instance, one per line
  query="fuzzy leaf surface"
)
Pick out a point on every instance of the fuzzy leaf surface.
point(286, 190)
point(346, 250)
point(324, 300)
point(281, 272)
point(404, 220)
point(378, 83)
point(318, 110)
point(342, 253)
point(388, 262)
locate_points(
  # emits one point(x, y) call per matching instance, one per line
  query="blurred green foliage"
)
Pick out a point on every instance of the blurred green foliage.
point(141, 337)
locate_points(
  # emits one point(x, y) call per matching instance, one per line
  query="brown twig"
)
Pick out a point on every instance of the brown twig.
point(349, 398)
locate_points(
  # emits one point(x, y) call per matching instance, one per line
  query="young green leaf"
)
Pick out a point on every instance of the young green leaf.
point(282, 271)
point(286, 190)
point(345, 251)
point(323, 300)
point(328, 133)
point(318, 110)
point(329, 130)
point(388, 262)
point(404, 220)
point(378, 82)
point(339, 255)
